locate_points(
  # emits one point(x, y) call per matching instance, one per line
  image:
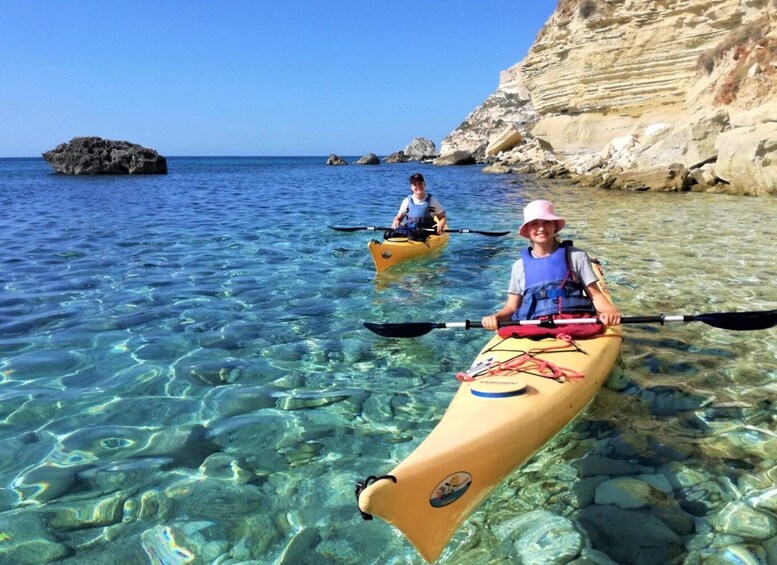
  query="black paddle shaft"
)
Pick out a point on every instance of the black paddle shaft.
point(737, 321)
point(376, 228)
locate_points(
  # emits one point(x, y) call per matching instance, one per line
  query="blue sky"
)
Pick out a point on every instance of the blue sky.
point(252, 78)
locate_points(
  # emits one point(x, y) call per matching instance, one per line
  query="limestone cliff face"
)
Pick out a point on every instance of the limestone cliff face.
point(600, 69)
point(510, 105)
point(633, 60)
point(629, 57)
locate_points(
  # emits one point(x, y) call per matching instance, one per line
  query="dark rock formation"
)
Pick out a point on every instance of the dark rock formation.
point(369, 159)
point(97, 156)
point(396, 157)
point(335, 160)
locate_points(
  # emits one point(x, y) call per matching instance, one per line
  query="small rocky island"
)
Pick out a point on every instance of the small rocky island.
point(97, 156)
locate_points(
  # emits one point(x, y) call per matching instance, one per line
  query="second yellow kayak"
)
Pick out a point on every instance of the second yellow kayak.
point(391, 251)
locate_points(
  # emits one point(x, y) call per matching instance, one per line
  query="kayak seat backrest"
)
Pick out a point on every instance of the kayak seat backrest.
point(575, 331)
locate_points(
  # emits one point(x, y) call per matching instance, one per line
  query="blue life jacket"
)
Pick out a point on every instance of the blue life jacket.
point(420, 215)
point(551, 286)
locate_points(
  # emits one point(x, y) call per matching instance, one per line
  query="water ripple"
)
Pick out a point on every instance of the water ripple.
point(183, 365)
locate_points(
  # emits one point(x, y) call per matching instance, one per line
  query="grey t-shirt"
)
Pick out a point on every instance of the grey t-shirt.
point(581, 266)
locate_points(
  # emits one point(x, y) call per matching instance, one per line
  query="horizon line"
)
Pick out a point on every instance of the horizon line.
point(225, 156)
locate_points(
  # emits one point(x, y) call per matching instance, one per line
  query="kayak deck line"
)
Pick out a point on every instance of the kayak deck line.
point(526, 361)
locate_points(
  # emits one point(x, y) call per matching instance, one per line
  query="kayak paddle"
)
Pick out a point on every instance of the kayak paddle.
point(493, 233)
point(368, 228)
point(738, 321)
point(375, 228)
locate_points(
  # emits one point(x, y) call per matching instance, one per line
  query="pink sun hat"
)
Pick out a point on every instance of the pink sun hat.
point(540, 210)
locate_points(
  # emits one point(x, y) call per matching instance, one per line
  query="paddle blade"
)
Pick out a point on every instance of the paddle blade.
point(492, 233)
point(414, 329)
point(742, 321)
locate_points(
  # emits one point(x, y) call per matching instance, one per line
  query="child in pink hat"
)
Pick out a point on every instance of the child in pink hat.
point(551, 277)
point(540, 210)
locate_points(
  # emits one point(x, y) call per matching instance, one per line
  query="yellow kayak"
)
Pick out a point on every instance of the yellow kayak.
point(517, 395)
point(389, 252)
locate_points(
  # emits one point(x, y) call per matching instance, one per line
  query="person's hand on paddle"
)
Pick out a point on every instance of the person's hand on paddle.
point(512, 304)
point(609, 317)
point(490, 322)
point(606, 311)
point(442, 221)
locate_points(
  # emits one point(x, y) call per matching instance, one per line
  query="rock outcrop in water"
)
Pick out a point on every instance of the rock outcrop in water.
point(683, 92)
point(368, 159)
point(335, 160)
point(396, 157)
point(420, 148)
point(97, 156)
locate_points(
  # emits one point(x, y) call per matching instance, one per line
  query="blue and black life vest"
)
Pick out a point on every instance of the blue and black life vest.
point(551, 286)
point(420, 215)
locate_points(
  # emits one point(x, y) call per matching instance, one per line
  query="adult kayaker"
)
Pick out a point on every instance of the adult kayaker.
point(551, 278)
point(420, 208)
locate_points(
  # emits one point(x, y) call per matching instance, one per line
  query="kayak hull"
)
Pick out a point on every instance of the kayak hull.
point(493, 424)
point(385, 254)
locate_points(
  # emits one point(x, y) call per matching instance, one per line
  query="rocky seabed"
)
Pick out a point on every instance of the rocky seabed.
point(555, 510)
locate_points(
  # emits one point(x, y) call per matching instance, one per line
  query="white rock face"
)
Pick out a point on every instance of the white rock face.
point(675, 75)
point(747, 159)
point(419, 148)
point(508, 106)
point(504, 140)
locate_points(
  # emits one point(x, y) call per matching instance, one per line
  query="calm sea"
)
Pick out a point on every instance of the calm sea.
point(184, 375)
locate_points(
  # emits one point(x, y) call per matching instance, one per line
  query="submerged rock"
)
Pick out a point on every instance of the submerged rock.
point(630, 536)
point(739, 553)
point(627, 492)
point(97, 156)
point(26, 540)
point(739, 519)
point(542, 537)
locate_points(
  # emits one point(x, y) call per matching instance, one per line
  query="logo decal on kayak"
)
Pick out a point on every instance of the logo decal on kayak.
point(450, 489)
point(498, 388)
point(386, 254)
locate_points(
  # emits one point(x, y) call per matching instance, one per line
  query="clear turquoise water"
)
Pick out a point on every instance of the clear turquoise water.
point(184, 376)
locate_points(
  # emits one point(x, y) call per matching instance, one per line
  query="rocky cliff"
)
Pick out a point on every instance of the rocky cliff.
point(619, 88)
